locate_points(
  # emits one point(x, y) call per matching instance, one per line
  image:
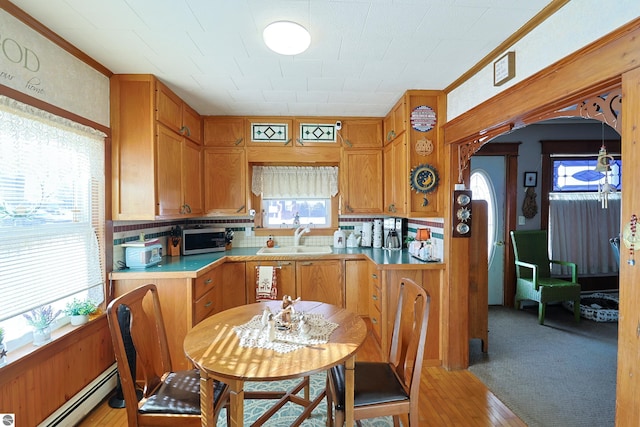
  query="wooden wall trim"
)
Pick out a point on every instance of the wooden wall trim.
point(560, 84)
point(529, 26)
point(50, 108)
point(28, 20)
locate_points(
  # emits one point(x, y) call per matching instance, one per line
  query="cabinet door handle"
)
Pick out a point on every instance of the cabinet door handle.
point(208, 281)
point(240, 209)
point(301, 142)
point(239, 141)
point(306, 263)
point(374, 320)
point(281, 263)
point(287, 142)
point(374, 297)
point(348, 143)
point(390, 135)
point(374, 275)
point(208, 304)
point(349, 208)
point(184, 130)
point(392, 207)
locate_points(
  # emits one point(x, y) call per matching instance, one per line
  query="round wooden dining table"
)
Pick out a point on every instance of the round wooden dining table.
point(214, 348)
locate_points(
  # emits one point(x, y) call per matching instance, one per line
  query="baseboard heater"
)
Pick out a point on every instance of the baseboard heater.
point(85, 401)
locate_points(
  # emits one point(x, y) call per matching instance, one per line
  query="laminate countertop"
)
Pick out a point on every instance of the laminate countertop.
point(195, 265)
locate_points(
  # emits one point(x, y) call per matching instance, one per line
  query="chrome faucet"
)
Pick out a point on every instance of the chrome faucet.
point(298, 234)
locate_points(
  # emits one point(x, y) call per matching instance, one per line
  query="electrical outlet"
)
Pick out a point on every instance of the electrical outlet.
point(522, 220)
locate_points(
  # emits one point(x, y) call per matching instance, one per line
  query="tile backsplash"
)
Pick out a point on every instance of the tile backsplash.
point(126, 231)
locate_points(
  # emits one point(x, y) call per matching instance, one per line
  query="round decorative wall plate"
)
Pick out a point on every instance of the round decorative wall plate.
point(423, 118)
point(424, 147)
point(424, 178)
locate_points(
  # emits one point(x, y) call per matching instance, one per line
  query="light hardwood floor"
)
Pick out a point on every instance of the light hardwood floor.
point(447, 398)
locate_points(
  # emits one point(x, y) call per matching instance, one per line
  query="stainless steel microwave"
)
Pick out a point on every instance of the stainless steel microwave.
point(198, 240)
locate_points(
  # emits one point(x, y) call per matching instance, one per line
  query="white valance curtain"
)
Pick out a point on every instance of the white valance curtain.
point(285, 182)
point(579, 231)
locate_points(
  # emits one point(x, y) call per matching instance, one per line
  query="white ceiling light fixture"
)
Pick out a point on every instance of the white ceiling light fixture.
point(286, 37)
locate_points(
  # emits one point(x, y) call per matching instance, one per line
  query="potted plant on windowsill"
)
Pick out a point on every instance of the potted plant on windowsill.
point(40, 319)
point(79, 311)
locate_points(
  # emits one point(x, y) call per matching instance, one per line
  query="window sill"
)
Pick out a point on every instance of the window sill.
point(62, 337)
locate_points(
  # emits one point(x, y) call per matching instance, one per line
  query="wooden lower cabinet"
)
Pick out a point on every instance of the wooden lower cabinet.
point(317, 280)
point(360, 285)
point(187, 301)
point(431, 282)
point(321, 280)
point(233, 290)
point(285, 278)
point(375, 300)
point(356, 285)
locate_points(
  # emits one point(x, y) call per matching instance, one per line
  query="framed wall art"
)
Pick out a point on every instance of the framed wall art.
point(530, 179)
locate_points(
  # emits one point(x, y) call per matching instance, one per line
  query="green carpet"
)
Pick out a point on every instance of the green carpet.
point(290, 411)
point(561, 374)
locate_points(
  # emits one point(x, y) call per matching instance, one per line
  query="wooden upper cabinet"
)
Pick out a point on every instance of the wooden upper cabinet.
point(224, 131)
point(172, 112)
point(156, 172)
point(362, 181)
point(395, 182)
point(225, 181)
point(192, 124)
point(169, 172)
point(192, 173)
point(361, 133)
point(395, 123)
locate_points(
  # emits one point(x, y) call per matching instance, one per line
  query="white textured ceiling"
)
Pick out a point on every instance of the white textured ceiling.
point(364, 53)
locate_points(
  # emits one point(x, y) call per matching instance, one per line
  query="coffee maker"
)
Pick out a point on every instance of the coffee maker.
point(399, 225)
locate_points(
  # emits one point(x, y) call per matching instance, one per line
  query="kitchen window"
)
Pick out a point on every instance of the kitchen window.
point(296, 195)
point(51, 214)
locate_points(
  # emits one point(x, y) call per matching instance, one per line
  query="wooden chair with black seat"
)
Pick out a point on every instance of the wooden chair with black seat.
point(388, 388)
point(533, 274)
point(169, 398)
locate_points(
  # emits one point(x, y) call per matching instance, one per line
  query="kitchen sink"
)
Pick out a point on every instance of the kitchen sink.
point(296, 250)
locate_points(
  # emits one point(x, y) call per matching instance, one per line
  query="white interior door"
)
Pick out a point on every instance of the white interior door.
point(488, 183)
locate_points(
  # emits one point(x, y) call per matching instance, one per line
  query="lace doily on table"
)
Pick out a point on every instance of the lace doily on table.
point(253, 334)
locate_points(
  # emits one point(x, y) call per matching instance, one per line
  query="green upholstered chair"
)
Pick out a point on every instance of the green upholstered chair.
point(533, 273)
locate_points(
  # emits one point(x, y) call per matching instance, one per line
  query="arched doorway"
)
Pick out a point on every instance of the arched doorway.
point(557, 87)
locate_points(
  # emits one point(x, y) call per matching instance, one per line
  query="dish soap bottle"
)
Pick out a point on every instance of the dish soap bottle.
point(270, 243)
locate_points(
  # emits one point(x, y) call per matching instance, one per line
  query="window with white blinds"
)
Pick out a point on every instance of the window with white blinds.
point(51, 209)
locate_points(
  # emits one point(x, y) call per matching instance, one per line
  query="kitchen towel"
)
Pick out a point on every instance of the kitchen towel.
point(266, 283)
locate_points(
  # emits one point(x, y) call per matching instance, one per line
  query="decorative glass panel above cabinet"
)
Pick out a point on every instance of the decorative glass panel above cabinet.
point(272, 133)
point(323, 133)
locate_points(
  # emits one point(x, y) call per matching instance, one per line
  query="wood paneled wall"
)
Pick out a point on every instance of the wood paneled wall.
point(36, 385)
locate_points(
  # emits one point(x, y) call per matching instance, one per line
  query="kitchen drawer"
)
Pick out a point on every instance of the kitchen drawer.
point(376, 326)
point(205, 283)
point(205, 306)
point(376, 298)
